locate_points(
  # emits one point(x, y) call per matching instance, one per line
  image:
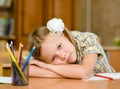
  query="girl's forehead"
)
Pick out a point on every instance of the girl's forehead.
point(49, 46)
point(52, 37)
point(48, 49)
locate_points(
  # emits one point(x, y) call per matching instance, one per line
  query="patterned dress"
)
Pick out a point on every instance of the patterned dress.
point(88, 43)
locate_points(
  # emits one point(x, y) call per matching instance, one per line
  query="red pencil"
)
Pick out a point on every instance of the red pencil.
point(103, 76)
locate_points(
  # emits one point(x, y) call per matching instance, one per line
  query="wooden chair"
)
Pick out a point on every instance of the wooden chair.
point(1, 70)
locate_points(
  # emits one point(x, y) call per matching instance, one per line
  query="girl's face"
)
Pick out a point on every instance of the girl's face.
point(57, 49)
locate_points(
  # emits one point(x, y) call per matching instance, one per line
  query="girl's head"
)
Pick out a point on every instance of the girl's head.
point(52, 45)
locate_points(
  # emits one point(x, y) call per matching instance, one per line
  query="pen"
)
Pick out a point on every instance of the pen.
point(103, 76)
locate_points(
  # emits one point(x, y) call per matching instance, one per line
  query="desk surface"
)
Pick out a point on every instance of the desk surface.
point(45, 83)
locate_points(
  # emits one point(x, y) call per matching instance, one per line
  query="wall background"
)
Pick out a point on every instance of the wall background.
point(105, 20)
point(101, 17)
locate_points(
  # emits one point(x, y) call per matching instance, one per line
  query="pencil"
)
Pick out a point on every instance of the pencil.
point(28, 59)
point(11, 46)
point(106, 77)
point(19, 52)
point(13, 59)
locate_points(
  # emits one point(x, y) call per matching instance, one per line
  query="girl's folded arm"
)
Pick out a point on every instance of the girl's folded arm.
point(35, 71)
point(76, 70)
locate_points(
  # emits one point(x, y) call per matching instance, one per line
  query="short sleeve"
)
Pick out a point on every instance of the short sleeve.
point(88, 43)
point(91, 44)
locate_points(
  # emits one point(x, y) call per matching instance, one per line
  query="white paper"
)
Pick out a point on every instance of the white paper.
point(4, 79)
point(111, 75)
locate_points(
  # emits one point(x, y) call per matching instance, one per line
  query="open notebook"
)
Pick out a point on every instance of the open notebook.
point(111, 75)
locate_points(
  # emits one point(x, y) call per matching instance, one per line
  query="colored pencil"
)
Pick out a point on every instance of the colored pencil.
point(28, 59)
point(19, 52)
point(106, 77)
point(14, 60)
point(12, 47)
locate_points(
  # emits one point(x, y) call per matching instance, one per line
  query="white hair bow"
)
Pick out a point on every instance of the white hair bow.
point(55, 25)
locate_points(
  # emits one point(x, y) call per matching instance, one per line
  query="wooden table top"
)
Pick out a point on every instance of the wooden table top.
point(49, 83)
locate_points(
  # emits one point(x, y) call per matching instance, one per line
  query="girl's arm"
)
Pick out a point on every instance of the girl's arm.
point(36, 71)
point(75, 70)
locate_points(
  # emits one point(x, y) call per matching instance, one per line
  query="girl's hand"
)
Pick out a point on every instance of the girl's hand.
point(38, 63)
point(35, 71)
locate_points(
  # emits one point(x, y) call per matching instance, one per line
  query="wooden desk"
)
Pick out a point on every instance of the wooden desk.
point(45, 83)
point(113, 55)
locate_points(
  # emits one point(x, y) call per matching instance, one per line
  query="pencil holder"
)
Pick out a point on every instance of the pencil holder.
point(17, 78)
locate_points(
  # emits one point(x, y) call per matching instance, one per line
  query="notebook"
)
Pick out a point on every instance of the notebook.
point(4, 79)
point(111, 75)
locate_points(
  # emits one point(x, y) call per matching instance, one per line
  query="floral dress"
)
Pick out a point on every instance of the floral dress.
point(88, 43)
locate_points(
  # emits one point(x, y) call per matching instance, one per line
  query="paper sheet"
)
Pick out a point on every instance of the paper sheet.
point(5, 79)
point(112, 75)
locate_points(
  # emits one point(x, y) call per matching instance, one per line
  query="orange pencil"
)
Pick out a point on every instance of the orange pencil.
point(19, 52)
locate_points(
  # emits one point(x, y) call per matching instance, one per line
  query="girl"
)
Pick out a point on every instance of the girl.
point(66, 54)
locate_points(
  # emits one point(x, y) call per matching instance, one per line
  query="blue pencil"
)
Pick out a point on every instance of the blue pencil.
point(28, 59)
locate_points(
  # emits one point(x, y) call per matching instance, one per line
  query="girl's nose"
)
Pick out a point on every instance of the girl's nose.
point(64, 56)
point(61, 55)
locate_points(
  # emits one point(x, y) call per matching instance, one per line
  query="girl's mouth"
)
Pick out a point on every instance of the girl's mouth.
point(69, 58)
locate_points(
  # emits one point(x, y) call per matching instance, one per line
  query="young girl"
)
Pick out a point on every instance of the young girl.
point(66, 54)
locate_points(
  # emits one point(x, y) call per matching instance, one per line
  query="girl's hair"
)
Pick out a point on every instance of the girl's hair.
point(38, 36)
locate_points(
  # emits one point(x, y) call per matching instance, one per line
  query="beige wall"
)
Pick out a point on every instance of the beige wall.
point(105, 19)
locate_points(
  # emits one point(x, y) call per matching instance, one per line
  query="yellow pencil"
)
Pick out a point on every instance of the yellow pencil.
point(14, 60)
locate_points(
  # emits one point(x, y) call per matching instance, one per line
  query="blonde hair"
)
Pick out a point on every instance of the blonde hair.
point(38, 36)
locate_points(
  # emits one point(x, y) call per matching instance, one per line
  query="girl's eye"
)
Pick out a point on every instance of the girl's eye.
point(60, 45)
point(53, 59)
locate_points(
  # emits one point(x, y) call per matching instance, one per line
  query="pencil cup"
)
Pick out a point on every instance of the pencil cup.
point(20, 78)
